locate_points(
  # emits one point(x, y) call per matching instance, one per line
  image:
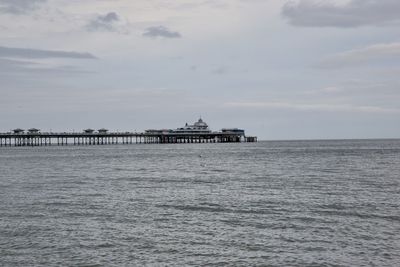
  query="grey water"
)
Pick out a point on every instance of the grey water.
point(276, 203)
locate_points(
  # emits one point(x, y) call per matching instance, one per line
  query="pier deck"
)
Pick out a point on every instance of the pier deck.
point(78, 139)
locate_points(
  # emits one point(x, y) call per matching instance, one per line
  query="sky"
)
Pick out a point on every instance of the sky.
point(304, 69)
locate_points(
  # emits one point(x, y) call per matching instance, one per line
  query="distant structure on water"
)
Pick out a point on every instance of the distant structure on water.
point(199, 127)
point(198, 132)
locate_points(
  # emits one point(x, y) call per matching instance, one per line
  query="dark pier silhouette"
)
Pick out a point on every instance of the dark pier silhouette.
point(78, 139)
point(196, 133)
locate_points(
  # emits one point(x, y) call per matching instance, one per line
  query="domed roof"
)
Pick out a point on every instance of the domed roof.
point(200, 123)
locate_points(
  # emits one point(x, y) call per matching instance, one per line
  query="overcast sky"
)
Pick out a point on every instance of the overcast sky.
point(279, 69)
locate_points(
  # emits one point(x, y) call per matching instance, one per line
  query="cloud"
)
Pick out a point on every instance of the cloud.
point(18, 67)
point(355, 13)
point(10, 65)
point(22, 61)
point(161, 31)
point(312, 107)
point(220, 70)
point(103, 22)
point(370, 54)
point(19, 6)
point(359, 89)
point(10, 52)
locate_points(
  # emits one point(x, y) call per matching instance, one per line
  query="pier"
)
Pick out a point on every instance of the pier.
point(196, 133)
point(112, 138)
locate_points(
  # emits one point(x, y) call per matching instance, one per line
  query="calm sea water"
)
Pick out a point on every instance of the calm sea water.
point(296, 203)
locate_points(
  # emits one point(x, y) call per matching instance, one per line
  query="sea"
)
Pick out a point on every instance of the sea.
point(272, 203)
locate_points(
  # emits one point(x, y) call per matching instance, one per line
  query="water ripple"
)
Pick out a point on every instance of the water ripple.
point(283, 203)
